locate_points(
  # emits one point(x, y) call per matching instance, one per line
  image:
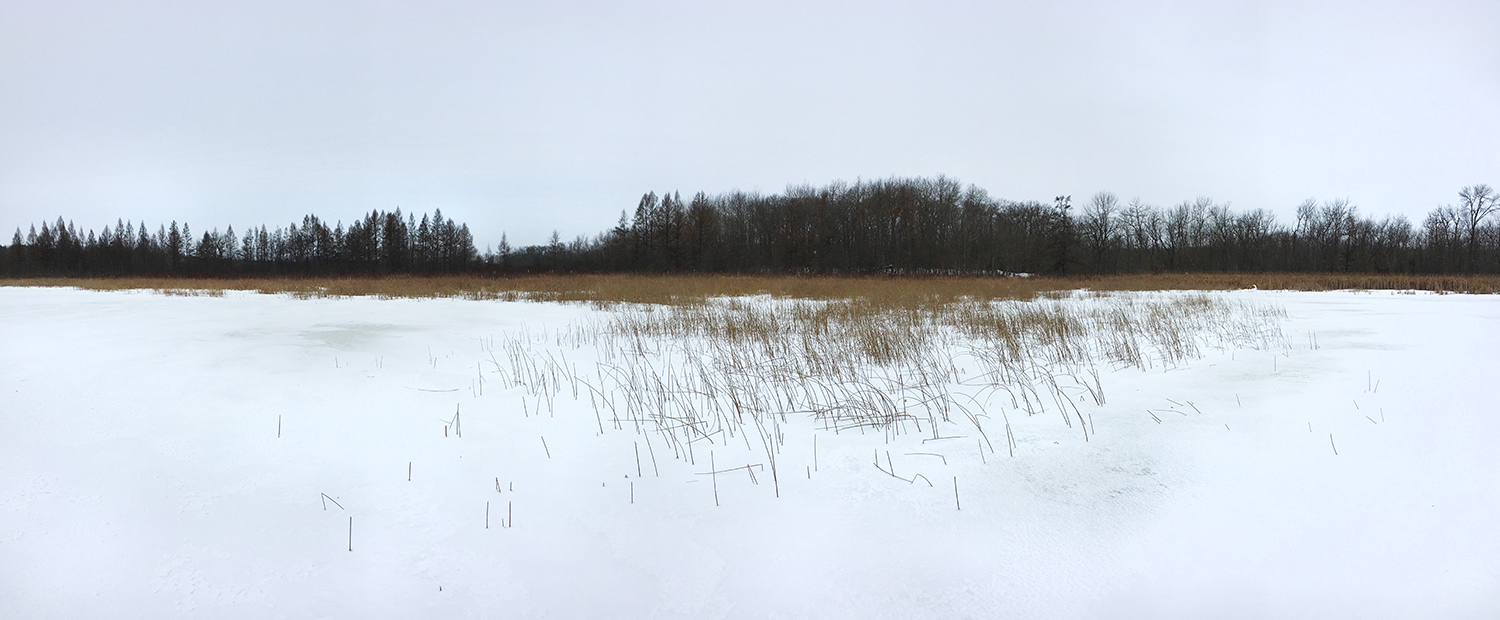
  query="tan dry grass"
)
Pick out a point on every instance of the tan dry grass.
point(677, 289)
point(739, 366)
point(693, 377)
point(934, 355)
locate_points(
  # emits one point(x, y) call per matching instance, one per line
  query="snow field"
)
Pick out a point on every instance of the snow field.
point(141, 474)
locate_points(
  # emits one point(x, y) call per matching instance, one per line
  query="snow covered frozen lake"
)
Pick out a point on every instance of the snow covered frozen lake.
point(260, 456)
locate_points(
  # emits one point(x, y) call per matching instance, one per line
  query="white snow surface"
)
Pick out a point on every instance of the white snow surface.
point(142, 476)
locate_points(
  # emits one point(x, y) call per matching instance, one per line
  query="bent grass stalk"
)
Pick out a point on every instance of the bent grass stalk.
point(717, 369)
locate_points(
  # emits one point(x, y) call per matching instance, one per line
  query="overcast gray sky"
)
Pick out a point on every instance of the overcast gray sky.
point(558, 115)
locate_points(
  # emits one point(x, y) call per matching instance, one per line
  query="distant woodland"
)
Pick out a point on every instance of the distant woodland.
point(898, 225)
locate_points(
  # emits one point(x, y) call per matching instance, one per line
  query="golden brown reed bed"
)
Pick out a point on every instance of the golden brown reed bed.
point(897, 354)
point(882, 290)
point(732, 366)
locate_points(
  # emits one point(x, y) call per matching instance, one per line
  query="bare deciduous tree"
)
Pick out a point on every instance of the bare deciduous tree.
point(1098, 228)
point(1476, 204)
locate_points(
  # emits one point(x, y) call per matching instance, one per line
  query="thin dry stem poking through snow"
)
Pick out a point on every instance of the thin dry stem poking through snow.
point(738, 367)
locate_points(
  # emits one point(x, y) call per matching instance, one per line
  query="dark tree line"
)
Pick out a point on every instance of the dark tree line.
point(378, 243)
point(897, 225)
point(940, 226)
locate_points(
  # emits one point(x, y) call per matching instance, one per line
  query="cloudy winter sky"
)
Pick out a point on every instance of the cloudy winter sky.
point(540, 116)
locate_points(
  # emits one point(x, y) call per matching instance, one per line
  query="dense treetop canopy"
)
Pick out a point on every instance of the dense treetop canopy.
point(898, 225)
